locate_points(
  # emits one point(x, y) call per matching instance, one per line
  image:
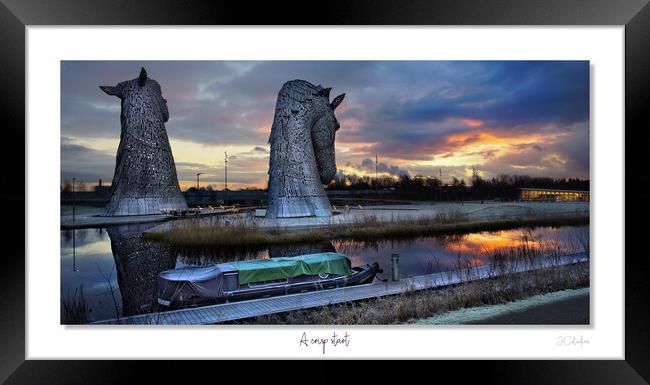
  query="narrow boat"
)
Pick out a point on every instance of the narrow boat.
point(245, 280)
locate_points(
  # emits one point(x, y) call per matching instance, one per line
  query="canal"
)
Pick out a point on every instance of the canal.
point(117, 269)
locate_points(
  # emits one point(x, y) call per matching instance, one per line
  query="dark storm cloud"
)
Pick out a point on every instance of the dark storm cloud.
point(368, 165)
point(514, 94)
point(86, 164)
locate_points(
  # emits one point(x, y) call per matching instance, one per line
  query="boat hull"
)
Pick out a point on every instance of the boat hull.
point(361, 275)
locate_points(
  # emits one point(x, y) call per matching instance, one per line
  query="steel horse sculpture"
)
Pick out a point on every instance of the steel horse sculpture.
point(302, 151)
point(145, 180)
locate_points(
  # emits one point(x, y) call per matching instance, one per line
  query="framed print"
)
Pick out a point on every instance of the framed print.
point(426, 183)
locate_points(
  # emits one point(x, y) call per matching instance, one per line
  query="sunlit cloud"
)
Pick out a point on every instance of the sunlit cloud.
point(472, 122)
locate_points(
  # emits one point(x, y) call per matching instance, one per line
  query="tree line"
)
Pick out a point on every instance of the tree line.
point(420, 187)
point(427, 187)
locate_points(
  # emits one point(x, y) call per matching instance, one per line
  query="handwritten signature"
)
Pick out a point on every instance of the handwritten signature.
point(335, 340)
point(571, 341)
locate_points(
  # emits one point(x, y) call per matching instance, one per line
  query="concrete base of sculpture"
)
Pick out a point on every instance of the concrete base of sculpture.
point(303, 206)
point(261, 213)
point(323, 213)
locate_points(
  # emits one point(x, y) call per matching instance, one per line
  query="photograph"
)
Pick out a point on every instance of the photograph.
point(325, 192)
point(459, 184)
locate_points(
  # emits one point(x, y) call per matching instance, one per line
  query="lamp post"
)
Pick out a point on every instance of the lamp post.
point(376, 174)
point(197, 180)
point(73, 199)
point(225, 199)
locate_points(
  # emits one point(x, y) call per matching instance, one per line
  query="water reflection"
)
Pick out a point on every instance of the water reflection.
point(442, 253)
point(118, 269)
point(86, 257)
point(293, 250)
point(138, 263)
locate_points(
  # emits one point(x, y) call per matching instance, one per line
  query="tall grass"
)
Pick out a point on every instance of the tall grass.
point(239, 232)
point(245, 233)
point(75, 308)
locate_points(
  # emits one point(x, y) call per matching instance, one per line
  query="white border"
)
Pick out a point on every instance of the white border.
point(46, 46)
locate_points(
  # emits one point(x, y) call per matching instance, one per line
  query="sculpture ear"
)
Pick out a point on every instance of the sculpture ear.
point(337, 100)
point(325, 92)
point(142, 79)
point(110, 90)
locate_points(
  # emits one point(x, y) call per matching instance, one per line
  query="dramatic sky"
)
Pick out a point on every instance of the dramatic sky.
point(420, 117)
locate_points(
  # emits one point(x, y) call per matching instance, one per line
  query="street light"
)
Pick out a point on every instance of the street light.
point(225, 199)
point(197, 180)
point(376, 174)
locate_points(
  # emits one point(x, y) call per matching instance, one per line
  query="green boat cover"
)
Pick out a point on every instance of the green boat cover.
point(288, 267)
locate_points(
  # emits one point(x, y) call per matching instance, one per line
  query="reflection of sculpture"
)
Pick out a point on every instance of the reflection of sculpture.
point(276, 251)
point(302, 151)
point(145, 178)
point(138, 263)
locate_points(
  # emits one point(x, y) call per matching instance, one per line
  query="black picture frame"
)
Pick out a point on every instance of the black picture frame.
point(16, 14)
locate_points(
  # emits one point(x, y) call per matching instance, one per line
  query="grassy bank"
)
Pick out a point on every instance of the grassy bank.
point(565, 307)
point(410, 306)
point(245, 233)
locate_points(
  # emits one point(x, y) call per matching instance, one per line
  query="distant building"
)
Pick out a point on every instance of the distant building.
point(553, 195)
point(102, 190)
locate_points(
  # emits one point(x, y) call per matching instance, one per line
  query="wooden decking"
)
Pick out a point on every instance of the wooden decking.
point(84, 221)
point(246, 309)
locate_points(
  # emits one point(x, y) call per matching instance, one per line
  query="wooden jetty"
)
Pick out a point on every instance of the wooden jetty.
point(96, 220)
point(214, 314)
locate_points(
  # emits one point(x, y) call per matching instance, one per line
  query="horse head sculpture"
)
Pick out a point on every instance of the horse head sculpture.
point(145, 179)
point(302, 151)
